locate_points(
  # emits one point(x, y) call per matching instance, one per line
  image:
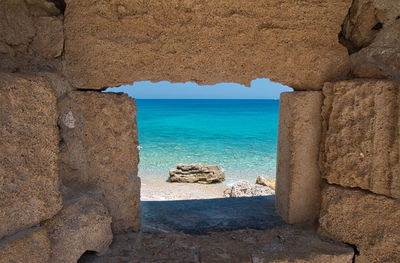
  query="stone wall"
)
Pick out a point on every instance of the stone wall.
point(110, 43)
point(359, 155)
point(360, 150)
point(68, 163)
point(29, 141)
point(99, 149)
point(298, 143)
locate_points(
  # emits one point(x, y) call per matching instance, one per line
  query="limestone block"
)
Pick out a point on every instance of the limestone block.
point(29, 182)
point(297, 175)
point(381, 59)
point(31, 36)
point(82, 225)
point(42, 8)
point(118, 42)
point(49, 39)
point(99, 148)
point(366, 18)
point(16, 25)
point(266, 181)
point(30, 245)
point(197, 173)
point(369, 221)
point(360, 145)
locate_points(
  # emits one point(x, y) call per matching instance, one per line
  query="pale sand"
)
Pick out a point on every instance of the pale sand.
point(153, 190)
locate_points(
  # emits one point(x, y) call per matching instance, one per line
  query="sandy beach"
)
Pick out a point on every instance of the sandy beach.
point(155, 190)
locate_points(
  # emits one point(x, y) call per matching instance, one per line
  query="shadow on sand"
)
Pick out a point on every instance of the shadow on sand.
point(202, 216)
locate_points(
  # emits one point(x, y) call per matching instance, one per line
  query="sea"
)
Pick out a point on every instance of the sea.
point(239, 135)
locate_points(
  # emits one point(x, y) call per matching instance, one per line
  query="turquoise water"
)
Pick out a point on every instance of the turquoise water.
point(238, 135)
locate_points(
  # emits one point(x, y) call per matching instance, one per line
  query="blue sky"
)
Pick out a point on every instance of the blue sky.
point(259, 89)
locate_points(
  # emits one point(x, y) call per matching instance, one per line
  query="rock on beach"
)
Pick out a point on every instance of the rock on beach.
point(245, 189)
point(267, 182)
point(197, 173)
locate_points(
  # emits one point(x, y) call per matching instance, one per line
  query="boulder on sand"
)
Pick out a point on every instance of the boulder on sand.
point(267, 182)
point(241, 189)
point(197, 173)
point(245, 189)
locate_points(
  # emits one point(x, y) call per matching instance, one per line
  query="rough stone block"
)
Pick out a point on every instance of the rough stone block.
point(31, 36)
point(99, 148)
point(298, 176)
point(40, 8)
point(381, 59)
point(30, 245)
point(369, 221)
point(29, 182)
point(365, 20)
point(49, 39)
point(118, 42)
point(16, 25)
point(360, 145)
point(82, 225)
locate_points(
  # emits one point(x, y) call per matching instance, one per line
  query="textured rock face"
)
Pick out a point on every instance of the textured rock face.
point(197, 173)
point(29, 182)
point(31, 245)
point(265, 181)
point(372, 30)
point(245, 189)
point(99, 148)
point(49, 39)
point(117, 42)
point(369, 221)
point(81, 225)
point(366, 18)
point(360, 141)
point(297, 176)
point(31, 36)
point(261, 190)
point(241, 189)
point(381, 59)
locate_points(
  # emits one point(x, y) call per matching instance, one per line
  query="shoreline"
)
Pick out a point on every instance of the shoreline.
point(155, 190)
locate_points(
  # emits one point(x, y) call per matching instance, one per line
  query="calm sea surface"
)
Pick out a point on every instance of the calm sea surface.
point(238, 135)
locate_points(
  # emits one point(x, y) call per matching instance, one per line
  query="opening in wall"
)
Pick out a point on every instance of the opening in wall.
point(227, 125)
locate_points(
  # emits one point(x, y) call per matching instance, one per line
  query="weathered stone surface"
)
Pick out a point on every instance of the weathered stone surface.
point(261, 190)
point(297, 176)
point(381, 59)
point(43, 7)
point(99, 148)
point(118, 42)
point(59, 83)
point(49, 39)
point(265, 181)
point(30, 245)
point(16, 25)
point(29, 182)
point(241, 189)
point(369, 221)
point(245, 189)
point(366, 18)
point(197, 173)
point(16, 30)
point(360, 143)
point(82, 225)
point(278, 245)
point(30, 36)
